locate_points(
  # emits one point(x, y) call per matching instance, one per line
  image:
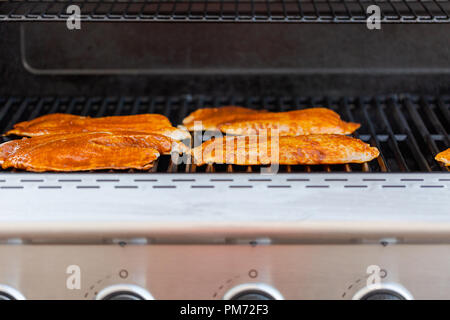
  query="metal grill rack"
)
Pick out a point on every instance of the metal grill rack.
point(313, 11)
point(409, 131)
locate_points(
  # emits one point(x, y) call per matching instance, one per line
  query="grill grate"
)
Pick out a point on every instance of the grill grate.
point(409, 131)
point(406, 11)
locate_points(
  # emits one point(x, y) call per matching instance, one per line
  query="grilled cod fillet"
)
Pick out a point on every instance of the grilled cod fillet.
point(212, 117)
point(444, 157)
point(306, 150)
point(84, 151)
point(59, 123)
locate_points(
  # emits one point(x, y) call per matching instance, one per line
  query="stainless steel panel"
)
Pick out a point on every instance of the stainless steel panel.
point(208, 271)
point(219, 208)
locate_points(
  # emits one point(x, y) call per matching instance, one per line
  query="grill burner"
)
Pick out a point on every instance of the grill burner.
point(408, 130)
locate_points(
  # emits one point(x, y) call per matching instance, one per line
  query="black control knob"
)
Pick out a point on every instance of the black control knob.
point(383, 295)
point(124, 295)
point(9, 293)
point(252, 295)
point(5, 296)
point(253, 291)
point(124, 292)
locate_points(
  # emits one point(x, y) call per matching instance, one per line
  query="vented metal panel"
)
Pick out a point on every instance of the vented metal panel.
point(408, 130)
point(335, 11)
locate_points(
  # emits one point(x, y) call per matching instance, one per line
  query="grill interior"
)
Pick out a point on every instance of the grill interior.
point(408, 130)
point(228, 10)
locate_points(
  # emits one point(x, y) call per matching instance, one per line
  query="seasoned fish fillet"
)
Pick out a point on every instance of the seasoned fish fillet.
point(291, 123)
point(306, 150)
point(66, 123)
point(444, 157)
point(211, 117)
point(84, 151)
point(163, 144)
point(10, 147)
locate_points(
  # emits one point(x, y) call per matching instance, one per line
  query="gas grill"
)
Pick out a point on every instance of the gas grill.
point(227, 231)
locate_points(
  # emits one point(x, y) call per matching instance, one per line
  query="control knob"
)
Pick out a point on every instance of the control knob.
point(253, 291)
point(382, 295)
point(383, 291)
point(124, 292)
point(9, 293)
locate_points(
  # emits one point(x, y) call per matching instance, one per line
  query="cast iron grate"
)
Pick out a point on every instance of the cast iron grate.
point(408, 130)
point(405, 11)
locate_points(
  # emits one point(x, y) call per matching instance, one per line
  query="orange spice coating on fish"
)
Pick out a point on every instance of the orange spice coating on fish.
point(84, 151)
point(291, 123)
point(211, 118)
point(59, 123)
point(305, 150)
point(444, 157)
